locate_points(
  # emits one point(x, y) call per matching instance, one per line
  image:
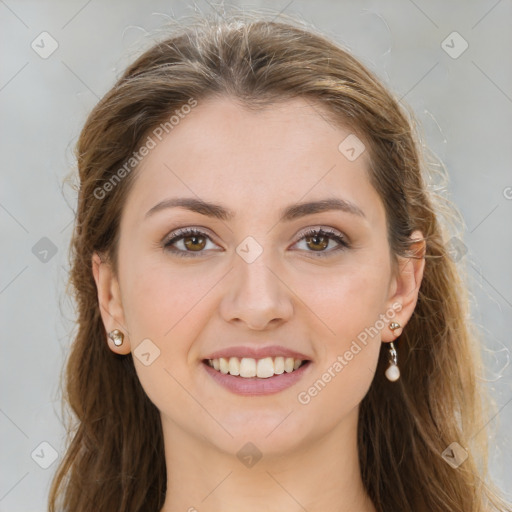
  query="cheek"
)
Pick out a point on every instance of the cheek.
point(347, 301)
point(160, 300)
point(170, 308)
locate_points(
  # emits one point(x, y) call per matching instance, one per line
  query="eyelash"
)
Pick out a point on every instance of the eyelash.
point(189, 232)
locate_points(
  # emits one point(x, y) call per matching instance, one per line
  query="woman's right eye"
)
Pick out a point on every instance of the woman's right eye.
point(191, 241)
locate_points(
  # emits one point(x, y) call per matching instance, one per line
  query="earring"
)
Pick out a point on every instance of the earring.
point(393, 372)
point(117, 337)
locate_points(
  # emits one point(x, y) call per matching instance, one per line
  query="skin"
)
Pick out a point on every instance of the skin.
point(256, 163)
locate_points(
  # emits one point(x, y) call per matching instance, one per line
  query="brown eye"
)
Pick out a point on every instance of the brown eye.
point(195, 242)
point(186, 242)
point(319, 242)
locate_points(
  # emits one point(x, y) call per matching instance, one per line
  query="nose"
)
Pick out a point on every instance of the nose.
point(257, 295)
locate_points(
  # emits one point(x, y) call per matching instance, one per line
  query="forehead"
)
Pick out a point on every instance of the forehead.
point(253, 159)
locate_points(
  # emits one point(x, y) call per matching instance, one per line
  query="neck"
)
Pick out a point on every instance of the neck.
point(321, 475)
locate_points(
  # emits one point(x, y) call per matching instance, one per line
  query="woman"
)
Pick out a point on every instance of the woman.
point(268, 316)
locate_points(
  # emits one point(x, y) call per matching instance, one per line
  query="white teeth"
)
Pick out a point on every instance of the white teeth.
point(234, 366)
point(224, 365)
point(248, 367)
point(278, 365)
point(265, 368)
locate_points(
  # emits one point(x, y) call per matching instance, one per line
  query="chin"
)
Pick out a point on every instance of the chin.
point(270, 432)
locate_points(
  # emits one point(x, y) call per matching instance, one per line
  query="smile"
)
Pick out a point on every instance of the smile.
point(256, 377)
point(248, 367)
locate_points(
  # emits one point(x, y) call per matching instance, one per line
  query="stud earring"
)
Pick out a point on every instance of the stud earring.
point(393, 372)
point(117, 337)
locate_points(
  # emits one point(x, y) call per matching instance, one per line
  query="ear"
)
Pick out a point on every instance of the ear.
point(109, 299)
point(405, 286)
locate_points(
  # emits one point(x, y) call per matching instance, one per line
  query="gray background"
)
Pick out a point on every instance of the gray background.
point(464, 106)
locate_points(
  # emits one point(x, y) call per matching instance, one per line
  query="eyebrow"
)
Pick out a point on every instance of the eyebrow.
point(287, 214)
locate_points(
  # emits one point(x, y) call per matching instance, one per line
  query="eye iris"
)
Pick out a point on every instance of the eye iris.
point(315, 239)
point(194, 239)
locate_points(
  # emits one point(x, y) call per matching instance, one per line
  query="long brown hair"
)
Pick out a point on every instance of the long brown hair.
point(115, 459)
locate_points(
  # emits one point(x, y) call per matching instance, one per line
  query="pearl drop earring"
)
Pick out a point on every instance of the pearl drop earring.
point(393, 372)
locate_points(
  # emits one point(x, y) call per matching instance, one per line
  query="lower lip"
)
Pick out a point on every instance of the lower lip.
point(255, 386)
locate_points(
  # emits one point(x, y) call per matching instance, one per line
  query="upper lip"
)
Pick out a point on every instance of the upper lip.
point(257, 352)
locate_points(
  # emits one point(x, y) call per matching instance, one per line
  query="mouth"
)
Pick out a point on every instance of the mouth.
point(256, 377)
point(248, 367)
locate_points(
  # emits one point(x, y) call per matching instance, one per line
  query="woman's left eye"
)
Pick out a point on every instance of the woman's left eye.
point(321, 238)
point(186, 242)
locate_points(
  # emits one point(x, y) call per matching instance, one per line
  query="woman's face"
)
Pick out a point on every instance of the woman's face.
point(255, 279)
